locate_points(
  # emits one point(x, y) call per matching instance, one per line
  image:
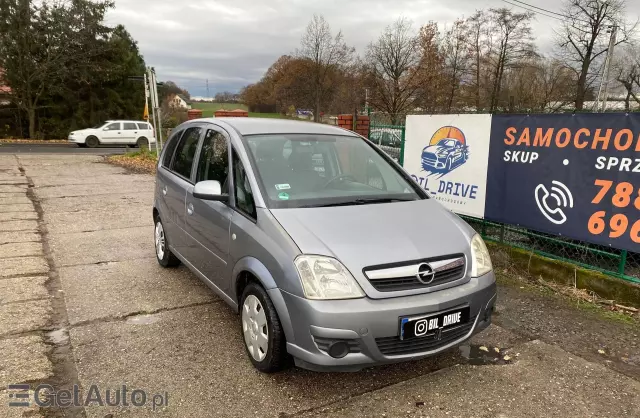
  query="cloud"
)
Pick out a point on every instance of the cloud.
point(231, 44)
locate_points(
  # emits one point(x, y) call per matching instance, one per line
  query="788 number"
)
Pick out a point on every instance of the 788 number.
point(624, 195)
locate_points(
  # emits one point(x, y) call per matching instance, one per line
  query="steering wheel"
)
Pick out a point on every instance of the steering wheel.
point(339, 177)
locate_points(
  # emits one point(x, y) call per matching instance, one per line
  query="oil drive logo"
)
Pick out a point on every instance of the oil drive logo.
point(446, 151)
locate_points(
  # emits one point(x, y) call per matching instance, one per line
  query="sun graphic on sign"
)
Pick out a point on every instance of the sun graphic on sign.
point(448, 132)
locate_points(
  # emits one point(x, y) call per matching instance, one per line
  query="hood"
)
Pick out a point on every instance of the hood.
point(365, 235)
point(437, 149)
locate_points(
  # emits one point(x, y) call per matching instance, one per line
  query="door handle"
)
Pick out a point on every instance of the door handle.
point(164, 191)
point(190, 209)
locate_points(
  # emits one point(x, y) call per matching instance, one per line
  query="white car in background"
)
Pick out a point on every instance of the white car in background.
point(115, 132)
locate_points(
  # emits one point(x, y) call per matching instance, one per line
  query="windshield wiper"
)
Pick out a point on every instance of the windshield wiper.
point(360, 201)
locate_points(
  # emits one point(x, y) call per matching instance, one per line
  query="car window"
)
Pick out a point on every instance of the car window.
point(144, 126)
point(186, 152)
point(170, 148)
point(244, 195)
point(213, 163)
point(129, 126)
point(112, 127)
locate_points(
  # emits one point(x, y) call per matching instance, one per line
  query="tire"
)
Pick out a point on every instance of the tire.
point(164, 256)
point(142, 143)
point(273, 357)
point(92, 142)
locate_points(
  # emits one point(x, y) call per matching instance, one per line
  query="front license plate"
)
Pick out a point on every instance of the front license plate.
point(421, 326)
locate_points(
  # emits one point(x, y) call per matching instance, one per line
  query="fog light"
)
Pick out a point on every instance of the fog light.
point(339, 349)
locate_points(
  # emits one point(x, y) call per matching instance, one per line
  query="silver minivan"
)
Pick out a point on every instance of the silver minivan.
point(328, 250)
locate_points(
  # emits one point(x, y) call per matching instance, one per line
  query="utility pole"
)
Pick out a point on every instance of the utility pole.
point(208, 94)
point(366, 99)
point(150, 81)
point(604, 84)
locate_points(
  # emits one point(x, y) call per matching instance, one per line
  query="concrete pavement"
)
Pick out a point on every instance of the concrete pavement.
point(83, 301)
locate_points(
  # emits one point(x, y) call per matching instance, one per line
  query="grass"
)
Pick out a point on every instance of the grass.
point(141, 161)
point(208, 109)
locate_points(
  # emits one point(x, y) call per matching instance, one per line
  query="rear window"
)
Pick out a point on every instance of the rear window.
point(144, 126)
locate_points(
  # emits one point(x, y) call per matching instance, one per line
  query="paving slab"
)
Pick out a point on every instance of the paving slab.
point(12, 188)
point(122, 288)
point(102, 246)
point(23, 208)
point(8, 226)
point(98, 204)
point(20, 249)
point(23, 359)
point(23, 266)
point(545, 382)
point(23, 288)
point(18, 216)
point(13, 179)
point(197, 356)
point(14, 199)
point(43, 160)
point(89, 220)
point(19, 236)
point(23, 317)
point(41, 182)
point(92, 189)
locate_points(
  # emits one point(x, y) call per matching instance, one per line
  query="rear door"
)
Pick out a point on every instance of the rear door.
point(174, 182)
point(130, 132)
point(207, 222)
point(112, 133)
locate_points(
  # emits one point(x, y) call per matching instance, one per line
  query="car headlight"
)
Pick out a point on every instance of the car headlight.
point(326, 278)
point(480, 259)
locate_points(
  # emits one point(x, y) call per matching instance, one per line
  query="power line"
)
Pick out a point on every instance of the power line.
point(558, 16)
point(539, 8)
point(534, 11)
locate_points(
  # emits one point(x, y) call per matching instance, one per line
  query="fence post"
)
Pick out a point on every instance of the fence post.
point(369, 129)
point(623, 261)
point(483, 231)
point(502, 233)
point(401, 158)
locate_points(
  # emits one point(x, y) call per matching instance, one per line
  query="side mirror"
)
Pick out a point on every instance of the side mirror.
point(210, 190)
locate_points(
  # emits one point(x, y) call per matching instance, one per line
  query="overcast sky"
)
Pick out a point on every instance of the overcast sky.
point(232, 43)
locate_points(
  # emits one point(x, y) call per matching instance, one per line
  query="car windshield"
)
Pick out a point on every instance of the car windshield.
point(299, 170)
point(447, 143)
point(100, 125)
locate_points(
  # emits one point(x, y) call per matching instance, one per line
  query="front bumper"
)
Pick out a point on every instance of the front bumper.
point(370, 327)
point(76, 139)
point(434, 162)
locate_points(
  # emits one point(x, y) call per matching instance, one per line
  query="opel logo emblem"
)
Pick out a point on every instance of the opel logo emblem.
point(425, 273)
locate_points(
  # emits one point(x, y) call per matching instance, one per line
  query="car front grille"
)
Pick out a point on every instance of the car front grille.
point(444, 274)
point(394, 346)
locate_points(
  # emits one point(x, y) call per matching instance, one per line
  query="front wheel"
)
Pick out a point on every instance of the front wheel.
point(263, 335)
point(92, 142)
point(163, 254)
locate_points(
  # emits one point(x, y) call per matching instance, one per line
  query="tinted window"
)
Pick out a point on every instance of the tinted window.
point(244, 195)
point(112, 127)
point(144, 126)
point(128, 126)
point(170, 148)
point(186, 152)
point(214, 158)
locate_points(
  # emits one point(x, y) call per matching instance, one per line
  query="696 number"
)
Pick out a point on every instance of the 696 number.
point(618, 225)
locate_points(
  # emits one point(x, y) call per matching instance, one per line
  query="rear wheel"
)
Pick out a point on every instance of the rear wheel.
point(263, 335)
point(92, 142)
point(142, 143)
point(163, 254)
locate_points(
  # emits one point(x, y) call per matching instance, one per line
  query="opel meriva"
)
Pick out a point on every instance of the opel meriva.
point(328, 250)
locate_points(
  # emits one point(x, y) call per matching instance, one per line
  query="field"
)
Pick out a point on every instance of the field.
point(209, 108)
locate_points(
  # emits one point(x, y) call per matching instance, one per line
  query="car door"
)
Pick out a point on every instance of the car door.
point(163, 178)
point(129, 132)
point(111, 133)
point(175, 183)
point(207, 222)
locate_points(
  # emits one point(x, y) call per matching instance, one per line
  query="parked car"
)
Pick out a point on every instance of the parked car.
point(115, 132)
point(325, 266)
point(386, 137)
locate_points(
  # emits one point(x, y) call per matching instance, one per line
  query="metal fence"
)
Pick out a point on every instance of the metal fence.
point(618, 263)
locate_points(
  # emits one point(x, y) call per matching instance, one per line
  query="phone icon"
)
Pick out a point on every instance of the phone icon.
point(562, 198)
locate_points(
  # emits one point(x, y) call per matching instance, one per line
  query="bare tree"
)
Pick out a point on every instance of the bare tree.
point(456, 58)
point(583, 38)
point(514, 43)
point(628, 74)
point(326, 52)
point(393, 60)
point(480, 46)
